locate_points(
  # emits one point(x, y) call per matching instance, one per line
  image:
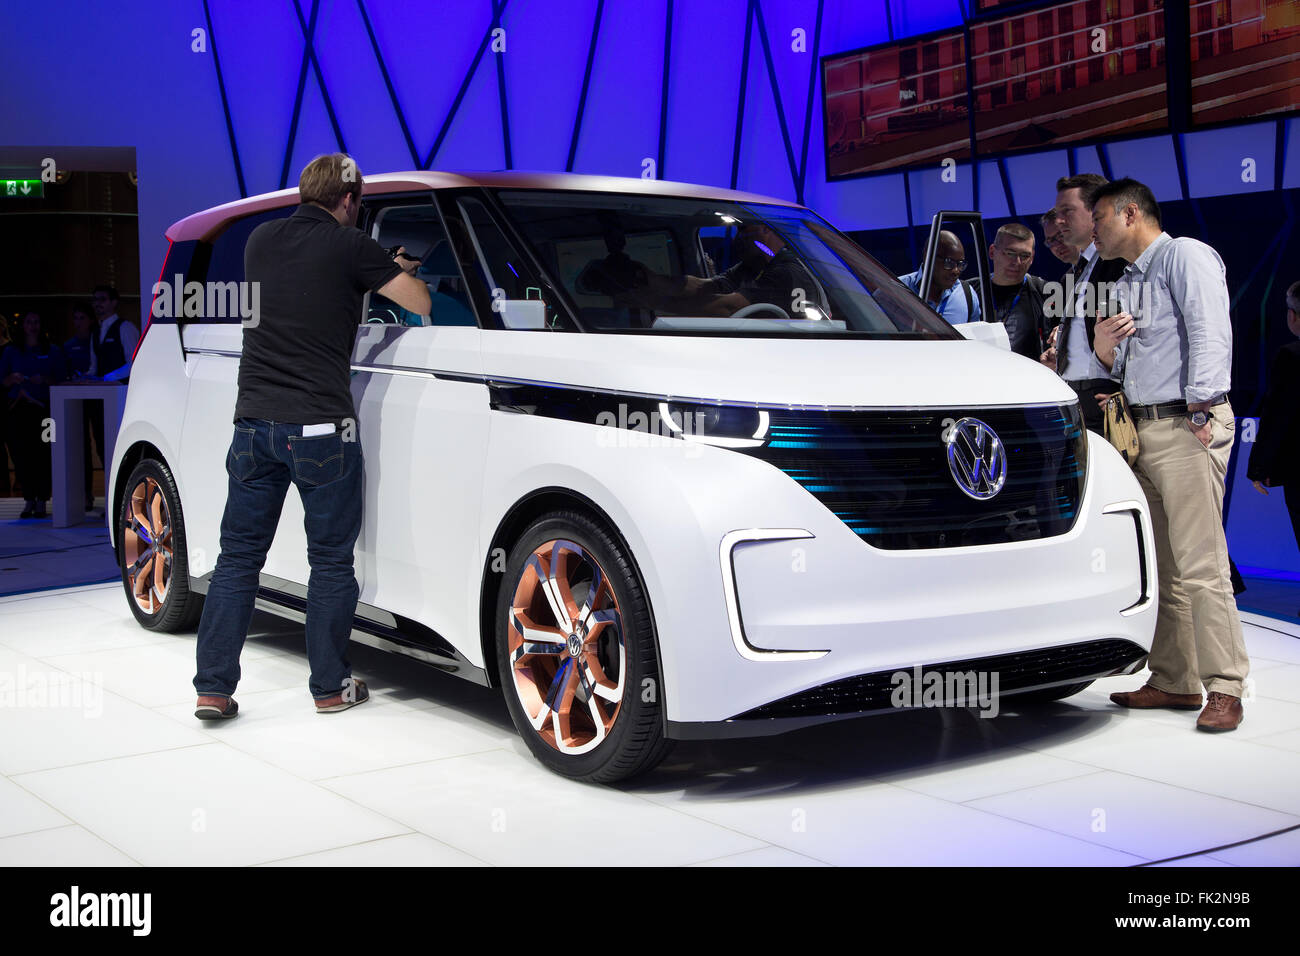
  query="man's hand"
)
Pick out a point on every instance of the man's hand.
point(12, 379)
point(408, 263)
point(1109, 333)
point(1102, 398)
point(1202, 434)
point(1048, 358)
point(1259, 486)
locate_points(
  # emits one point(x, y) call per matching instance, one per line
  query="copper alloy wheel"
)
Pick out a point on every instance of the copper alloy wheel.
point(566, 644)
point(147, 545)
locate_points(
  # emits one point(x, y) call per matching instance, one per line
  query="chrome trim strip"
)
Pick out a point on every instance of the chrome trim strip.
point(1147, 541)
point(745, 649)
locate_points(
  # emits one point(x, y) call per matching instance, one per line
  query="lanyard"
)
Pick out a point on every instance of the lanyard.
point(1002, 314)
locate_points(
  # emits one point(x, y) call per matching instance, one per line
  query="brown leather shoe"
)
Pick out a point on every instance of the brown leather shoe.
point(216, 708)
point(1222, 712)
point(1149, 696)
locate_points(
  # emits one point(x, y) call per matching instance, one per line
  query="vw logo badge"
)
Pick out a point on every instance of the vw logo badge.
point(977, 459)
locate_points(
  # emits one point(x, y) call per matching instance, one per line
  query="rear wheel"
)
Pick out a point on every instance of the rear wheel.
point(153, 557)
point(576, 652)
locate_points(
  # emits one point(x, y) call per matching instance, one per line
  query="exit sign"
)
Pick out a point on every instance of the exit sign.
point(22, 188)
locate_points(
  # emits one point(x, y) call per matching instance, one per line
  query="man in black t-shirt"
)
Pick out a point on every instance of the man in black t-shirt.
point(1017, 296)
point(295, 422)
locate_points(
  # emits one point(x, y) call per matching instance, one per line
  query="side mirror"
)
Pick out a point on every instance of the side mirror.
point(990, 333)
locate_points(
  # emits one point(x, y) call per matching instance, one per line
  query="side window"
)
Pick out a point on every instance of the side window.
point(419, 231)
point(222, 261)
point(516, 297)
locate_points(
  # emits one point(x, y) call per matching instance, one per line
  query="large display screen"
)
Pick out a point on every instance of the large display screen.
point(1244, 55)
point(896, 104)
point(1081, 70)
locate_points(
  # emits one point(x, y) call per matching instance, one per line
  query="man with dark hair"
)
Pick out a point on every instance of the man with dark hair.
point(1017, 296)
point(1275, 459)
point(1070, 348)
point(295, 422)
point(947, 295)
point(1175, 355)
point(117, 337)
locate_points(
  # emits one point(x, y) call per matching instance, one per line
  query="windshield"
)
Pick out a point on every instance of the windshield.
point(670, 265)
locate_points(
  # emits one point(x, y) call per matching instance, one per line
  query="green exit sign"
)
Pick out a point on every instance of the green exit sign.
point(22, 188)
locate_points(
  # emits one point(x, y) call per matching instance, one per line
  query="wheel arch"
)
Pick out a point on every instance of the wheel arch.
point(521, 514)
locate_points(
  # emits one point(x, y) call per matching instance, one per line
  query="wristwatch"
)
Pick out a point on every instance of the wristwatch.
point(1199, 418)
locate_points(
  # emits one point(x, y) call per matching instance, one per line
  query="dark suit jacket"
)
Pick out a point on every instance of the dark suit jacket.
point(1276, 455)
point(1107, 270)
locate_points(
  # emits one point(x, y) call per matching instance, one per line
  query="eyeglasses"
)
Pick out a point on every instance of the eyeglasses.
point(950, 263)
point(1018, 256)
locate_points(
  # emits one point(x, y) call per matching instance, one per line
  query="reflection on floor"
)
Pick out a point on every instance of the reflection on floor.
point(35, 555)
point(102, 762)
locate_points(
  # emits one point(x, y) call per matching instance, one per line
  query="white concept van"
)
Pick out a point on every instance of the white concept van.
point(664, 462)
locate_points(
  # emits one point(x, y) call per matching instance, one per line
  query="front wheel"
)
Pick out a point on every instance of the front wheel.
point(576, 652)
point(152, 554)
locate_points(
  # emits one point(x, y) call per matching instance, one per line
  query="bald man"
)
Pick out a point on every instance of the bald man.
point(948, 295)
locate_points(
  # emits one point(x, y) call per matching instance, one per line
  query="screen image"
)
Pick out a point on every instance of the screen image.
point(902, 103)
point(1243, 58)
point(1074, 71)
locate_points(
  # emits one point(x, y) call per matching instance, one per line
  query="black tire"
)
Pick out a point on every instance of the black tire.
point(1050, 694)
point(150, 490)
point(633, 741)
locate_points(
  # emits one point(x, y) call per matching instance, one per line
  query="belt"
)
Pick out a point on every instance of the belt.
point(1165, 410)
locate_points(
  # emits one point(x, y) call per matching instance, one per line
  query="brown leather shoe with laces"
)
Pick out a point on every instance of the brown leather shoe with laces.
point(1148, 696)
point(1222, 712)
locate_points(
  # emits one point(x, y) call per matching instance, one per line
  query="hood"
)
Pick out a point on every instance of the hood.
point(791, 372)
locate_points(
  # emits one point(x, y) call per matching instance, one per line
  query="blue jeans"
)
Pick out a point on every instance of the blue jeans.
point(264, 458)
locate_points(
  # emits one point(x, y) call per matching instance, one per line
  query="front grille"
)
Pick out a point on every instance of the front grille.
point(1028, 669)
point(885, 473)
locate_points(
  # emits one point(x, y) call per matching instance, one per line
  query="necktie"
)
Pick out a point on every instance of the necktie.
point(1063, 337)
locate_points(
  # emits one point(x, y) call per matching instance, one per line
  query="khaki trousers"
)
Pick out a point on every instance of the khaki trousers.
point(1198, 640)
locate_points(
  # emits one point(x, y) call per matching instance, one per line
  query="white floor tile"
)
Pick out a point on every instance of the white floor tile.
point(69, 719)
point(63, 846)
point(20, 812)
point(1123, 812)
point(283, 729)
point(409, 849)
point(1280, 850)
point(503, 808)
point(849, 824)
point(767, 856)
point(206, 805)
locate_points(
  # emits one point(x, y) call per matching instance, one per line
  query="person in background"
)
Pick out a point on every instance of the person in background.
point(79, 353)
point(1070, 349)
point(117, 338)
point(1275, 458)
point(27, 370)
point(1017, 296)
point(1051, 224)
point(948, 295)
point(1176, 363)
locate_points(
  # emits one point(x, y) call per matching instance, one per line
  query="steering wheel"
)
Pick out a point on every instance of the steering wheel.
point(756, 307)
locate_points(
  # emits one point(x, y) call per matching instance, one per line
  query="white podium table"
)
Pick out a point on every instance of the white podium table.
point(66, 408)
